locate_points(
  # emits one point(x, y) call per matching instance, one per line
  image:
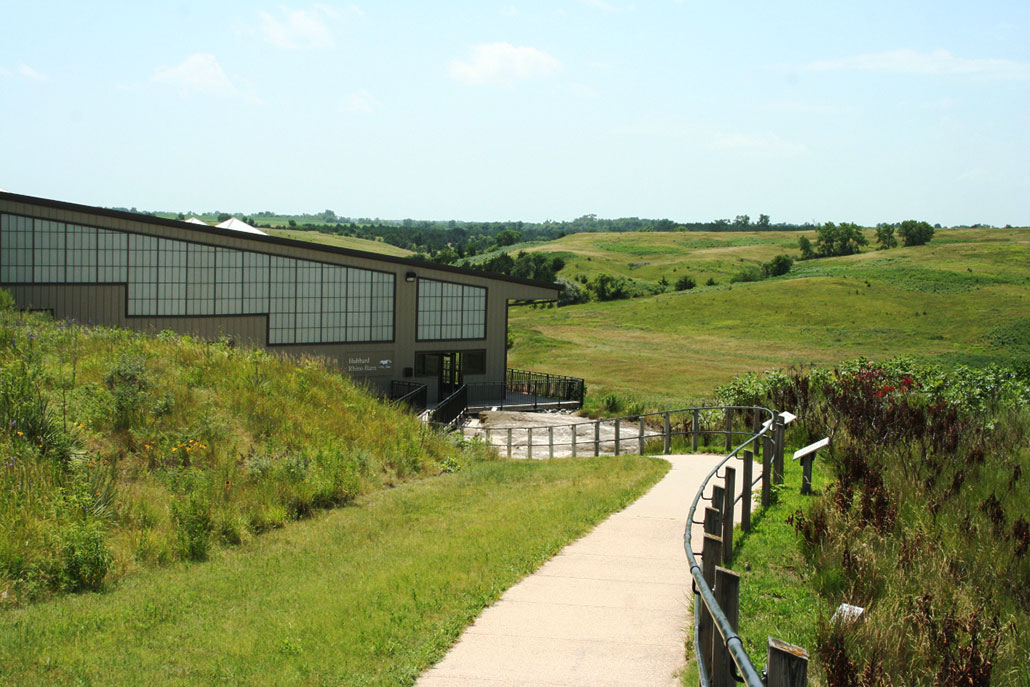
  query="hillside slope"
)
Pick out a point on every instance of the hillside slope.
point(966, 296)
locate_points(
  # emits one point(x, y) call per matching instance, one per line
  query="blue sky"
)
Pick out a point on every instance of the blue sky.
point(865, 112)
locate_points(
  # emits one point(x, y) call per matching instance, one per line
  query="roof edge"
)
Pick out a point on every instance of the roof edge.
point(311, 245)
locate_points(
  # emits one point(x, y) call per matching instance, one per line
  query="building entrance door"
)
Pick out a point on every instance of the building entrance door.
point(451, 376)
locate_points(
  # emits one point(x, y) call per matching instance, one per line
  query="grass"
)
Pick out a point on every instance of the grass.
point(963, 296)
point(125, 451)
point(340, 241)
point(366, 595)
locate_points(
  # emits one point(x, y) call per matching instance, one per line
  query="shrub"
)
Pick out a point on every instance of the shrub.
point(609, 288)
point(685, 283)
point(128, 382)
point(572, 292)
point(194, 524)
point(85, 555)
point(748, 274)
point(778, 266)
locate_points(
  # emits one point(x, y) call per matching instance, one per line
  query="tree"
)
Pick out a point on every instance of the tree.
point(914, 233)
point(685, 283)
point(839, 239)
point(742, 221)
point(572, 292)
point(806, 248)
point(885, 236)
point(222, 216)
point(763, 221)
point(508, 237)
point(779, 265)
point(609, 288)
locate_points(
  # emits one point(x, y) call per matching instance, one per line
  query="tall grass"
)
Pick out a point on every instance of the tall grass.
point(123, 450)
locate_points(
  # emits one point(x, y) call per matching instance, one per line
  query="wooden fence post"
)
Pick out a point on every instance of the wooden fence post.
point(727, 593)
point(529, 442)
point(509, 442)
point(745, 491)
point(786, 664)
point(597, 437)
point(618, 423)
point(668, 435)
point(767, 454)
point(729, 505)
point(729, 430)
point(778, 461)
point(641, 437)
point(489, 439)
point(574, 428)
point(709, 561)
point(694, 430)
point(718, 500)
point(550, 441)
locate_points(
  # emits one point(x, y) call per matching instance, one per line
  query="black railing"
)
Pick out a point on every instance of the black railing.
point(452, 408)
point(557, 387)
point(411, 394)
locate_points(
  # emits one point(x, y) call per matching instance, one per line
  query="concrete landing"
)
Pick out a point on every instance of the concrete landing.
point(610, 610)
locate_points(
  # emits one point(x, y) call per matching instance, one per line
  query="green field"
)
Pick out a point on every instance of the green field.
point(338, 241)
point(965, 297)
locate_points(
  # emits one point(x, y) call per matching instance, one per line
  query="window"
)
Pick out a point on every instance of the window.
point(450, 311)
point(305, 301)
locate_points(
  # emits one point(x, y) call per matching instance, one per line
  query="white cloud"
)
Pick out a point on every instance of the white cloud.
point(5, 72)
point(937, 62)
point(30, 73)
point(298, 28)
point(200, 73)
point(763, 144)
point(501, 64)
point(359, 101)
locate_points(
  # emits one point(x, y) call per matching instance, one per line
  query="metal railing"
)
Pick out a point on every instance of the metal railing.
point(451, 410)
point(558, 387)
point(411, 394)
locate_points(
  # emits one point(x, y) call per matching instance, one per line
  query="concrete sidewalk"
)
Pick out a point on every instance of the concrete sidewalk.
point(611, 609)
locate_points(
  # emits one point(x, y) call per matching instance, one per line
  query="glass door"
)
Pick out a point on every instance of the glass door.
point(450, 373)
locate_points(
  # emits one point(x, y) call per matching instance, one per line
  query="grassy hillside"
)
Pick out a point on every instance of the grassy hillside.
point(125, 451)
point(965, 296)
point(350, 242)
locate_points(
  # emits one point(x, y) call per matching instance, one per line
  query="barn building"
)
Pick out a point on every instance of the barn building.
point(393, 323)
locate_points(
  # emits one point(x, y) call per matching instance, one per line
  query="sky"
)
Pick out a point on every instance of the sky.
point(805, 111)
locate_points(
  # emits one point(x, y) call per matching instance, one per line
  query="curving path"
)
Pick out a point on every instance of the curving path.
point(611, 609)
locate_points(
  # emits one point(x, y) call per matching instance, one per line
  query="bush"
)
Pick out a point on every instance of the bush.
point(778, 266)
point(572, 292)
point(194, 524)
point(608, 288)
point(128, 382)
point(685, 283)
point(86, 558)
point(748, 274)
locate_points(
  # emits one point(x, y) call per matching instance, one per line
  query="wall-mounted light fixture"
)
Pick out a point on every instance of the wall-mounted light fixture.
point(410, 276)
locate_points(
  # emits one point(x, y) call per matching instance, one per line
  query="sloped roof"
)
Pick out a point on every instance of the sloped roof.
point(237, 225)
point(194, 220)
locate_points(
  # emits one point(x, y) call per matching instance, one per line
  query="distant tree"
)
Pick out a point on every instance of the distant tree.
point(779, 265)
point(885, 236)
point(222, 216)
point(720, 225)
point(293, 222)
point(839, 239)
point(914, 233)
point(763, 221)
point(685, 283)
point(807, 253)
point(609, 288)
point(508, 237)
point(180, 216)
point(572, 292)
point(711, 282)
point(742, 221)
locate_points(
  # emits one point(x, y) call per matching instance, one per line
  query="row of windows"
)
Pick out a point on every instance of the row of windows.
point(307, 302)
point(450, 311)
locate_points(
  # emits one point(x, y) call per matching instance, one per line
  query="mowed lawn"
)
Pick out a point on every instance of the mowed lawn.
point(950, 298)
point(365, 595)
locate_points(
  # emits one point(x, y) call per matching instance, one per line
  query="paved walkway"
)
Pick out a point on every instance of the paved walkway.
point(610, 610)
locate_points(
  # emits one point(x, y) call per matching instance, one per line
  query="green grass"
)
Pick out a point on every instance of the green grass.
point(366, 595)
point(961, 297)
point(338, 241)
point(125, 451)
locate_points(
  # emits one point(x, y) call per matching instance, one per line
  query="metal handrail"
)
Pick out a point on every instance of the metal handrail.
point(734, 646)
